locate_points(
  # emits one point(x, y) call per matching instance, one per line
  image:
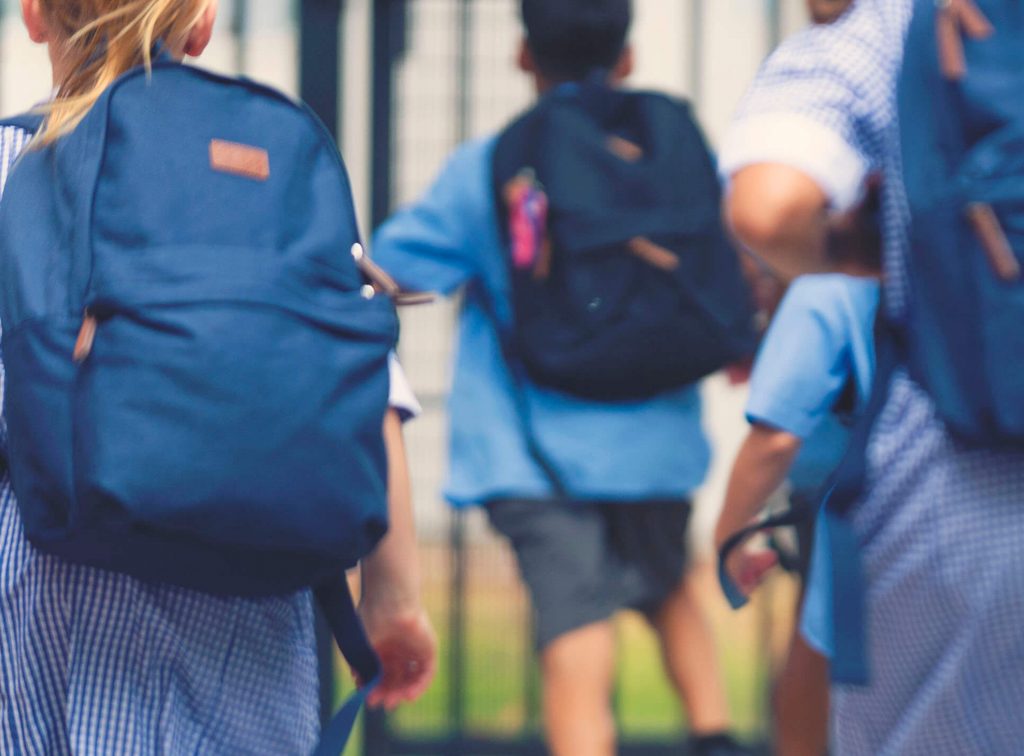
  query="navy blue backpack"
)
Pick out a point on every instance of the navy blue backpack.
point(624, 283)
point(197, 369)
point(962, 122)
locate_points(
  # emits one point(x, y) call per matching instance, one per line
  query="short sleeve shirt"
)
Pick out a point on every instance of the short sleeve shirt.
point(820, 339)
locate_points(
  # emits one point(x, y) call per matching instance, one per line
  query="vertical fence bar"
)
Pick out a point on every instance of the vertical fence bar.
point(774, 15)
point(239, 31)
point(457, 628)
point(388, 44)
point(464, 80)
point(459, 603)
point(388, 23)
point(320, 59)
point(696, 51)
point(531, 676)
point(319, 31)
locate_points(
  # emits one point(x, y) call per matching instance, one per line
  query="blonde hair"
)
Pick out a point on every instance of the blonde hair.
point(102, 39)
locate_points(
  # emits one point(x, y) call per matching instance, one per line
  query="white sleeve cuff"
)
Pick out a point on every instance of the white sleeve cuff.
point(802, 143)
point(402, 398)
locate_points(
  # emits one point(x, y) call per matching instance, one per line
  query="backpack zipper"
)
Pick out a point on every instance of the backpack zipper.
point(380, 281)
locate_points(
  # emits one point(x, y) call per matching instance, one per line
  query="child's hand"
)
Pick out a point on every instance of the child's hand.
point(748, 566)
point(405, 642)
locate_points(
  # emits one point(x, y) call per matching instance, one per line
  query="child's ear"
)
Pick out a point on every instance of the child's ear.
point(525, 59)
point(35, 22)
point(624, 68)
point(202, 32)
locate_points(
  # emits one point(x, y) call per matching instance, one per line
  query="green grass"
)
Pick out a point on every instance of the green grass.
point(501, 673)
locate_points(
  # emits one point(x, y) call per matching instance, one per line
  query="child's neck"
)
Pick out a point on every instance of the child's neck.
point(61, 67)
point(58, 63)
point(542, 84)
point(857, 270)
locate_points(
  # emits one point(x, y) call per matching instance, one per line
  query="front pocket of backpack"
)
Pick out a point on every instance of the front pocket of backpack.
point(247, 422)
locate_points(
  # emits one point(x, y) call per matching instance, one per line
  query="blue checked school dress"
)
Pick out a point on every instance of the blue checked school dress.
point(93, 662)
point(941, 527)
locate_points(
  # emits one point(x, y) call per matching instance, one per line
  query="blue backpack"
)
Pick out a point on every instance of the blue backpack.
point(623, 281)
point(962, 122)
point(961, 109)
point(196, 365)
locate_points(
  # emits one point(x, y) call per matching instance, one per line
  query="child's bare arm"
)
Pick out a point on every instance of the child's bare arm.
point(780, 214)
point(760, 468)
point(391, 605)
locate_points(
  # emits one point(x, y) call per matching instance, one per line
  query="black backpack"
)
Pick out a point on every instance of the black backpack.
point(623, 281)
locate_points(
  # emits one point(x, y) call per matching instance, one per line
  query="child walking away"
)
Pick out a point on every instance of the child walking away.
point(599, 288)
point(813, 371)
point(937, 527)
point(198, 435)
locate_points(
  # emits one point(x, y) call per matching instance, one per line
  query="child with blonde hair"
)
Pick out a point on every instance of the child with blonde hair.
point(93, 661)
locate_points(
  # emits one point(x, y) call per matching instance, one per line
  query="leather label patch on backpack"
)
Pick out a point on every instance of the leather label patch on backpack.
point(653, 254)
point(240, 160)
point(994, 241)
point(625, 149)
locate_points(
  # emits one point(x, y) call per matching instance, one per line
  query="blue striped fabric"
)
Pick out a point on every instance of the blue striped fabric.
point(941, 526)
point(12, 141)
point(98, 663)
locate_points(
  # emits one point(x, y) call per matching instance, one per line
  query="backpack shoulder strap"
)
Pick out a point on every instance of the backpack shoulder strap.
point(29, 123)
point(339, 610)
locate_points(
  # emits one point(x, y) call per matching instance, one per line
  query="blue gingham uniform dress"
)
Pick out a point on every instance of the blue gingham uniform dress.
point(93, 662)
point(941, 526)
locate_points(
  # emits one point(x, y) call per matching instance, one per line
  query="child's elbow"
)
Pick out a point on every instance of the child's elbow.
point(770, 205)
point(759, 226)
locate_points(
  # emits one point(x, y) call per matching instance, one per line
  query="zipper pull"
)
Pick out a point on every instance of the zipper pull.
point(993, 240)
point(86, 337)
point(380, 281)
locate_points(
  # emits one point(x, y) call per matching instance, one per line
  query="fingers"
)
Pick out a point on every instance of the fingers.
point(754, 567)
point(748, 568)
point(408, 662)
point(403, 681)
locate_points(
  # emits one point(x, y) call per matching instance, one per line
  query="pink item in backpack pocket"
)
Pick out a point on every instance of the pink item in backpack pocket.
point(527, 218)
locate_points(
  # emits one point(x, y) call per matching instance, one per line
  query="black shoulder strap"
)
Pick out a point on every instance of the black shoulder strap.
point(339, 610)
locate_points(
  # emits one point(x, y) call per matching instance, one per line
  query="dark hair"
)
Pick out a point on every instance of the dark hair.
point(856, 236)
point(570, 39)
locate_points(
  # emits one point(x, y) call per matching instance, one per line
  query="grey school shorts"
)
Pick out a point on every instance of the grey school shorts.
point(583, 562)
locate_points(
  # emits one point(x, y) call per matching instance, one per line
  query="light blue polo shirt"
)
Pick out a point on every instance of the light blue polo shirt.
point(627, 451)
point(820, 336)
